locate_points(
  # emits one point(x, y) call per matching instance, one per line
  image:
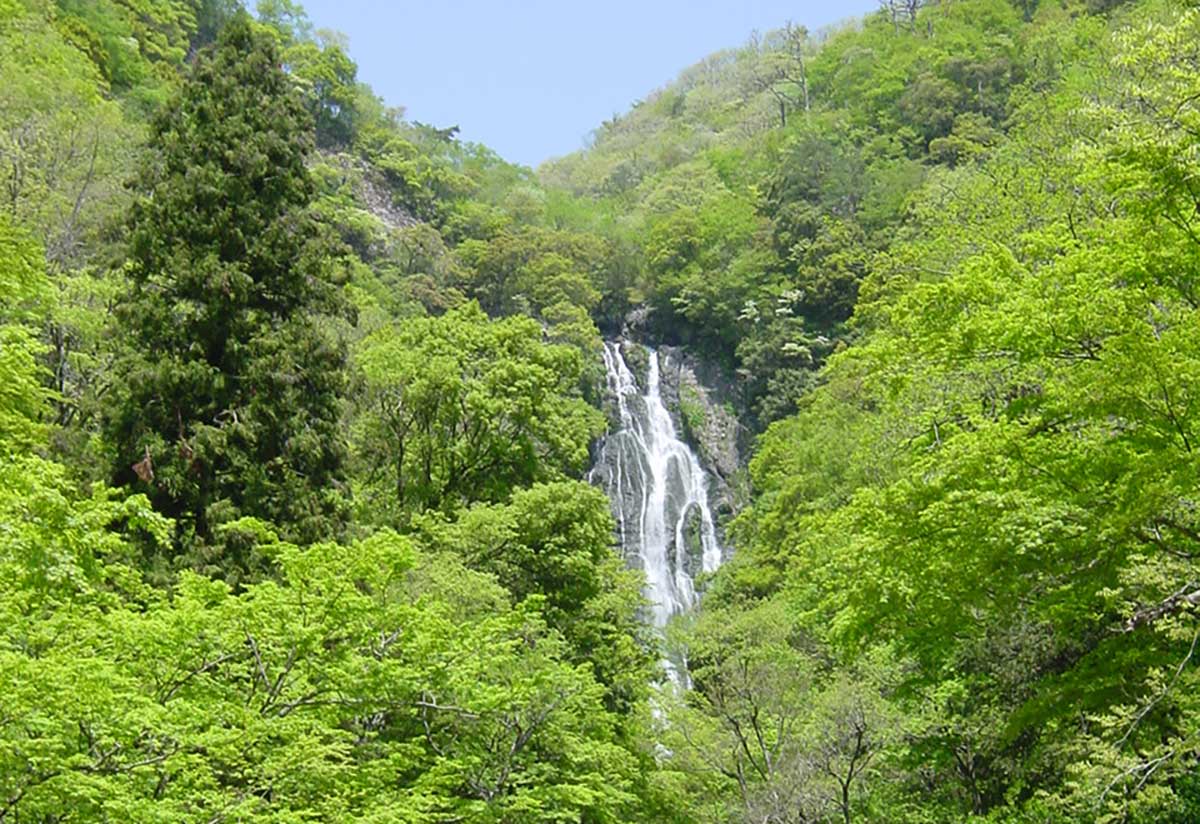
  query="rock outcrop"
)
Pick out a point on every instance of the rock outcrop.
point(702, 401)
point(702, 404)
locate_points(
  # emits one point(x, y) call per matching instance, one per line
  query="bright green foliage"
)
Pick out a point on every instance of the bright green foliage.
point(67, 149)
point(460, 408)
point(533, 268)
point(317, 62)
point(133, 43)
point(999, 480)
point(772, 731)
point(951, 252)
point(61, 140)
point(369, 682)
point(22, 397)
point(227, 395)
point(286, 17)
point(554, 541)
point(419, 165)
point(703, 262)
point(911, 81)
point(139, 46)
point(777, 356)
point(327, 76)
point(554, 275)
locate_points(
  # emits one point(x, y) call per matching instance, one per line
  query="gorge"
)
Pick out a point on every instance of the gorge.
point(819, 444)
point(658, 487)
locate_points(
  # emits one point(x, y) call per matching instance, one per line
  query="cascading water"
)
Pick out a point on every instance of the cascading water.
point(659, 491)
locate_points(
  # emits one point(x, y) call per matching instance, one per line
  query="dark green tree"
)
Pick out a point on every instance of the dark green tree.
point(226, 398)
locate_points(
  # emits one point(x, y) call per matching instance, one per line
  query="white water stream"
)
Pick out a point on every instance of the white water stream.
point(659, 491)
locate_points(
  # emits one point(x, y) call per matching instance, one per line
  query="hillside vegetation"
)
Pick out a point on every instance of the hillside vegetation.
point(297, 397)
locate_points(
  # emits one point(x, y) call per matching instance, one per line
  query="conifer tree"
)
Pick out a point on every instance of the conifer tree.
point(227, 395)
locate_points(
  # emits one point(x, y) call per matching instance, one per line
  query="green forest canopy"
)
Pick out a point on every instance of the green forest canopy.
point(296, 399)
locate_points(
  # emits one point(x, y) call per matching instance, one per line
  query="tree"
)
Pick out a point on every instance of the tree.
point(225, 400)
point(791, 740)
point(901, 11)
point(532, 268)
point(750, 686)
point(60, 139)
point(460, 409)
point(555, 541)
point(287, 18)
point(366, 681)
point(22, 397)
point(328, 77)
point(782, 69)
point(999, 477)
point(369, 681)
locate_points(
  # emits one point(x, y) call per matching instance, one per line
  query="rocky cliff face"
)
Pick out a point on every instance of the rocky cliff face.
point(702, 404)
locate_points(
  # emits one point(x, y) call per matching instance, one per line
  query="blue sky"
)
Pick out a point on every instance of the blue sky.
point(531, 78)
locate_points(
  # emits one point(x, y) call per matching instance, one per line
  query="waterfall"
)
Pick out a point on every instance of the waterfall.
point(659, 491)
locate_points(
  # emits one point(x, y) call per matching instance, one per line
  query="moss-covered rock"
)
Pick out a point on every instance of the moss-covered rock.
point(637, 358)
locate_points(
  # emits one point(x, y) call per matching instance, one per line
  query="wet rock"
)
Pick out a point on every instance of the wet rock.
point(658, 487)
point(702, 402)
point(637, 358)
point(693, 541)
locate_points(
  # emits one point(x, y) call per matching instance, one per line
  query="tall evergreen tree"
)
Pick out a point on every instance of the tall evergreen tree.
point(226, 399)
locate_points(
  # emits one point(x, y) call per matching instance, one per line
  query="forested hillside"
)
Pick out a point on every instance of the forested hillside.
point(298, 397)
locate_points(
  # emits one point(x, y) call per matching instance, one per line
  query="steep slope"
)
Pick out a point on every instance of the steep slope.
point(949, 253)
point(965, 587)
point(758, 188)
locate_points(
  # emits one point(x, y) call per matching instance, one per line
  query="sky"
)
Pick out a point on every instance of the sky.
point(532, 78)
